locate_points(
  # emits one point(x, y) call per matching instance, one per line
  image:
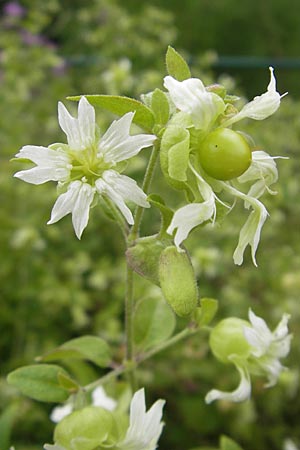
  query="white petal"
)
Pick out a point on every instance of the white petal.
point(59, 412)
point(52, 165)
point(100, 398)
point(188, 217)
point(240, 394)
point(86, 121)
point(80, 132)
point(144, 427)
point(81, 210)
point(76, 200)
point(261, 106)
point(65, 202)
point(263, 169)
point(70, 126)
point(120, 188)
point(118, 145)
point(40, 175)
point(191, 97)
point(250, 232)
point(282, 329)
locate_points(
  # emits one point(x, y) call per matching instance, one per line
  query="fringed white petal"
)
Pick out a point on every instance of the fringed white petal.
point(80, 132)
point(120, 189)
point(77, 200)
point(118, 145)
point(240, 394)
point(145, 427)
point(191, 97)
point(52, 165)
point(261, 106)
point(100, 398)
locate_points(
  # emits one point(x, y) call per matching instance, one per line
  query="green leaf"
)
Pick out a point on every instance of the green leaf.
point(84, 429)
point(176, 65)
point(154, 322)
point(40, 382)
point(121, 105)
point(160, 107)
point(175, 151)
point(206, 312)
point(166, 213)
point(143, 257)
point(7, 419)
point(178, 281)
point(68, 383)
point(228, 444)
point(91, 348)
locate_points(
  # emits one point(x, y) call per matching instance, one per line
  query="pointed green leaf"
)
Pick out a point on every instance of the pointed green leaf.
point(121, 105)
point(154, 322)
point(175, 151)
point(166, 213)
point(91, 348)
point(160, 107)
point(176, 65)
point(228, 444)
point(40, 382)
point(178, 281)
point(206, 312)
point(68, 383)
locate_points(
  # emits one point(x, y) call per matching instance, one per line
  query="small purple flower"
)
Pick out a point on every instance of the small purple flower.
point(13, 9)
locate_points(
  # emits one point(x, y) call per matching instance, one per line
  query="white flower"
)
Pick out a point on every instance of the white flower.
point(268, 347)
point(263, 171)
point(88, 165)
point(261, 106)
point(59, 412)
point(240, 394)
point(191, 97)
point(99, 398)
point(145, 427)
point(192, 215)
point(263, 357)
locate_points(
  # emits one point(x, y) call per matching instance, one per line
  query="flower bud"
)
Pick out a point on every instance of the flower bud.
point(177, 281)
point(84, 429)
point(228, 338)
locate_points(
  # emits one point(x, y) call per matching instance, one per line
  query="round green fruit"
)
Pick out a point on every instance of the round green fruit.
point(224, 154)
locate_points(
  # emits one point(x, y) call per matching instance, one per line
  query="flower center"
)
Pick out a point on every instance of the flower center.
point(87, 164)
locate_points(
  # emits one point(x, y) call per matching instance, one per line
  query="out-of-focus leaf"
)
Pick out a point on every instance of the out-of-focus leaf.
point(154, 322)
point(176, 65)
point(121, 105)
point(40, 382)
point(91, 348)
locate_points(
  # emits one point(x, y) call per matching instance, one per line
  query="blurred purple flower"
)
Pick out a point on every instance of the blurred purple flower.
point(13, 9)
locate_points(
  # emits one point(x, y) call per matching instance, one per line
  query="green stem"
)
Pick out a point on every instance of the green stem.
point(119, 217)
point(146, 187)
point(124, 368)
point(129, 300)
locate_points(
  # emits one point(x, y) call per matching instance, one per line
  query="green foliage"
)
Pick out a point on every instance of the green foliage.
point(176, 65)
point(121, 105)
point(54, 288)
point(154, 322)
point(90, 348)
point(205, 313)
point(40, 382)
point(160, 107)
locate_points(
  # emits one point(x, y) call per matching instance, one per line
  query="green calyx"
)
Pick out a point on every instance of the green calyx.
point(228, 339)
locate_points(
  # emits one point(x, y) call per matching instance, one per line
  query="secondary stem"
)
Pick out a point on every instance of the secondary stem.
point(129, 300)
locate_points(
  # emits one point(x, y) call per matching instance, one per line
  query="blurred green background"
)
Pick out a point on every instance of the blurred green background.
point(54, 287)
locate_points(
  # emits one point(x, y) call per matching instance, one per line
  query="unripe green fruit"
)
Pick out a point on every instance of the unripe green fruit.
point(224, 154)
point(178, 281)
point(227, 338)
